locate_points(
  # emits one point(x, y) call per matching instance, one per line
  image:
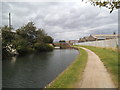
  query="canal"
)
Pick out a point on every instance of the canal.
point(36, 70)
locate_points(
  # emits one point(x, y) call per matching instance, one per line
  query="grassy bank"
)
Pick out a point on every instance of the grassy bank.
point(73, 74)
point(110, 59)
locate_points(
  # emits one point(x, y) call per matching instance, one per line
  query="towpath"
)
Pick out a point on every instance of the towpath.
point(95, 74)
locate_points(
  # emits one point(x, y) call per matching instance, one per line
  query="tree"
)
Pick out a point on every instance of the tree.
point(62, 41)
point(110, 4)
point(40, 34)
point(26, 39)
point(29, 38)
point(28, 32)
point(22, 46)
point(48, 39)
point(7, 41)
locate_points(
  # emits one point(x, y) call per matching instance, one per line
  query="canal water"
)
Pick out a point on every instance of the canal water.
point(36, 70)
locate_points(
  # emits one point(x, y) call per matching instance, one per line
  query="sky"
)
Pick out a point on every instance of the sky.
point(62, 20)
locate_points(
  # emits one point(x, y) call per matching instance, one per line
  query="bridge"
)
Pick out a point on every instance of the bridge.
point(62, 45)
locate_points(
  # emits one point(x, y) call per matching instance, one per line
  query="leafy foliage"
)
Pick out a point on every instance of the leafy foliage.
point(62, 41)
point(110, 4)
point(47, 39)
point(43, 47)
point(26, 39)
point(7, 40)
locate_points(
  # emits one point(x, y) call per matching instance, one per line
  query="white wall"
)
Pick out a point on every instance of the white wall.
point(112, 43)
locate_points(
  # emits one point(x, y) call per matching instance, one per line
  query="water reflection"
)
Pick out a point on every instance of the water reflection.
point(13, 60)
point(36, 70)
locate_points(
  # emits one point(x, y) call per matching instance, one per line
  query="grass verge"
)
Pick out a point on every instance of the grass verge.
point(110, 59)
point(73, 74)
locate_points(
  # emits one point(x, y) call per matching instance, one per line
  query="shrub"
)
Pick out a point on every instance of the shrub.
point(43, 47)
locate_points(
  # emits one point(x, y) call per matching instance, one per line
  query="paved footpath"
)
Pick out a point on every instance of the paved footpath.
point(95, 74)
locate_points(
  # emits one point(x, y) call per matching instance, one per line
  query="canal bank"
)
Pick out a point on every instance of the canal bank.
point(70, 77)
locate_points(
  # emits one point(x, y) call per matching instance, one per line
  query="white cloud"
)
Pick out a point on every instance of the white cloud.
point(62, 20)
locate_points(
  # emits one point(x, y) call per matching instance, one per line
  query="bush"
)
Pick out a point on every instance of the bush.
point(22, 46)
point(49, 47)
point(43, 47)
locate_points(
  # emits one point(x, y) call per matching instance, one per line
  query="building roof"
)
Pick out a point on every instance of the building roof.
point(105, 35)
point(95, 35)
point(99, 37)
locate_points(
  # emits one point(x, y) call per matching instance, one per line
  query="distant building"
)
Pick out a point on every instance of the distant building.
point(105, 36)
point(82, 39)
point(98, 37)
point(92, 38)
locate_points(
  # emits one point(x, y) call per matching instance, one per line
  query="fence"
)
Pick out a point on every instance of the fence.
point(111, 43)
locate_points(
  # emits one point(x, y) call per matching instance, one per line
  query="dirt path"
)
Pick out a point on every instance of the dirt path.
point(95, 74)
